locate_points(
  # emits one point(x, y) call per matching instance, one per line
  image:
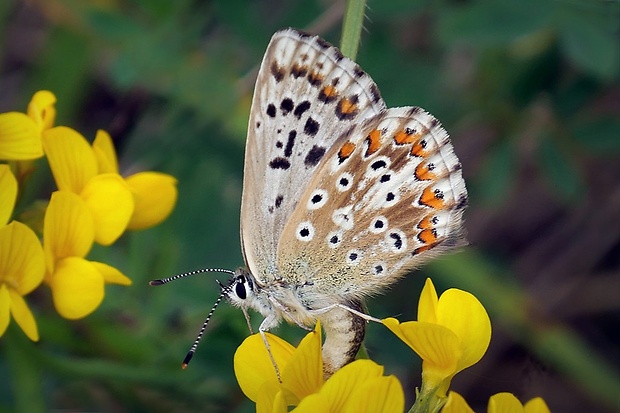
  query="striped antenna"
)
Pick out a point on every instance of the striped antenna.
point(192, 350)
point(187, 274)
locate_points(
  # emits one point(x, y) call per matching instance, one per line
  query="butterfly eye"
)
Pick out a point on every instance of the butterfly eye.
point(240, 290)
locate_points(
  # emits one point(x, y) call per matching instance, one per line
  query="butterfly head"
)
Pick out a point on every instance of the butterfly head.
point(241, 288)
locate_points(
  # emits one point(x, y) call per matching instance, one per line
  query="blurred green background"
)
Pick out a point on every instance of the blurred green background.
point(528, 90)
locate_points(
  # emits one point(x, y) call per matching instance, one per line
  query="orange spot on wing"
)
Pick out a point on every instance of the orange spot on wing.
point(423, 248)
point(423, 173)
point(374, 142)
point(426, 222)
point(347, 107)
point(328, 94)
point(404, 138)
point(346, 151)
point(419, 148)
point(427, 236)
point(432, 199)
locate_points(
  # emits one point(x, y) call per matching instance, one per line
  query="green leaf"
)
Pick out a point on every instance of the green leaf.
point(590, 39)
point(492, 23)
point(496, 179)
point(599, 136)
point(559, 170)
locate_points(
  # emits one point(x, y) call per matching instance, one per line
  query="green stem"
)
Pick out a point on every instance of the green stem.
point(352, 27)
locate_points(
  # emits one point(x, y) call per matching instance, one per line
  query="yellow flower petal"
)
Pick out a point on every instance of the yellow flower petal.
point(463, 314)
point(427, 305)
point(71, 158)
point(338, 389)
point(8, 189)
point(439, 348)
point(41, 109)
point(431, 342)
point(110, 201)
point(253, 366)
point(456, 404)
point(68, 229)
point(77, 288)
point(155, 196)
point(377, 395)
point(22, 263)
point(536, 405)
point(105, 153)
point(20, 138)
point(314, 403)
point(23, 316)
point(110, 274)
point(303, 373)
point(504, 403)
point(5, 308)
point(270, 400)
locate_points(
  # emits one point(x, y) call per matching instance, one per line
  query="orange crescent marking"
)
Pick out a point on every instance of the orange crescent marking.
point(329, 91)
point(346, 150)
point(403, 138)
point(427, 236)
point(346, 106)
point(422, 173)
point(418, 149)
point(429, 199)
point(374, 142)
point(426, 222)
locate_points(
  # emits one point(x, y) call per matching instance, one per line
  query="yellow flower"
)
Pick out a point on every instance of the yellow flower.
point(499, 403)
point(20, 134)
point(21, 262)
point(155, 193)
point(69, 231)
point(75, 169)
point(358, 387)
point(452, 333)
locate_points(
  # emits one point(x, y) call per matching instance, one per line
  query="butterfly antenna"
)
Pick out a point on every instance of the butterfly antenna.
point(224, 288)
point(192, 350)
point(187, 274)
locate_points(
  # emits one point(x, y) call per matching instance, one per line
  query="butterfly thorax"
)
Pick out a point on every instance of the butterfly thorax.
point(275, 300)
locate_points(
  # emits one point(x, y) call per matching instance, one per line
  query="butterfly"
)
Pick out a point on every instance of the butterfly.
point(342, 196)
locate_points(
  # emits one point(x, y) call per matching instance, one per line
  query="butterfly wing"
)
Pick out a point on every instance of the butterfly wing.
point(307, 95)
point(388, 196)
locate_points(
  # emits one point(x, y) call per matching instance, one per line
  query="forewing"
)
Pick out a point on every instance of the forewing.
point(388, 196)
point(307, 95)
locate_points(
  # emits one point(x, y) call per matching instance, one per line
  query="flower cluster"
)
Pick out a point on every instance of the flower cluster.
point(358, 387)
point(93, 204)
point(452, 333)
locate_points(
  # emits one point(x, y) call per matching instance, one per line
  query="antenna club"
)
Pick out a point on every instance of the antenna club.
point(156, 282)
point(187, 359)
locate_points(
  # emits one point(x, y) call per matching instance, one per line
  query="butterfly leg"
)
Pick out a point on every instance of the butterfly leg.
point(286, 311)
point(267, 324)
point(320, 311)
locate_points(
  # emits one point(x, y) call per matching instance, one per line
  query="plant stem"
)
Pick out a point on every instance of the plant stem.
point(352, 27)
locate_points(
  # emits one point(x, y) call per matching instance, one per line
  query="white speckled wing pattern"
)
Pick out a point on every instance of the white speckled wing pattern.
point(307, 94)
point(341, 196)
point(388, 196)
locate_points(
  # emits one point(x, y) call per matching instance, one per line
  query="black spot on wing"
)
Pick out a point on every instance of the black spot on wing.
point(311, 127)
point(301, 108)
point(314, 156)
point(288, 150)
point(286, 105)
point(279, 200)
point(271, 110)
point(277, 72)
point(279, 163)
